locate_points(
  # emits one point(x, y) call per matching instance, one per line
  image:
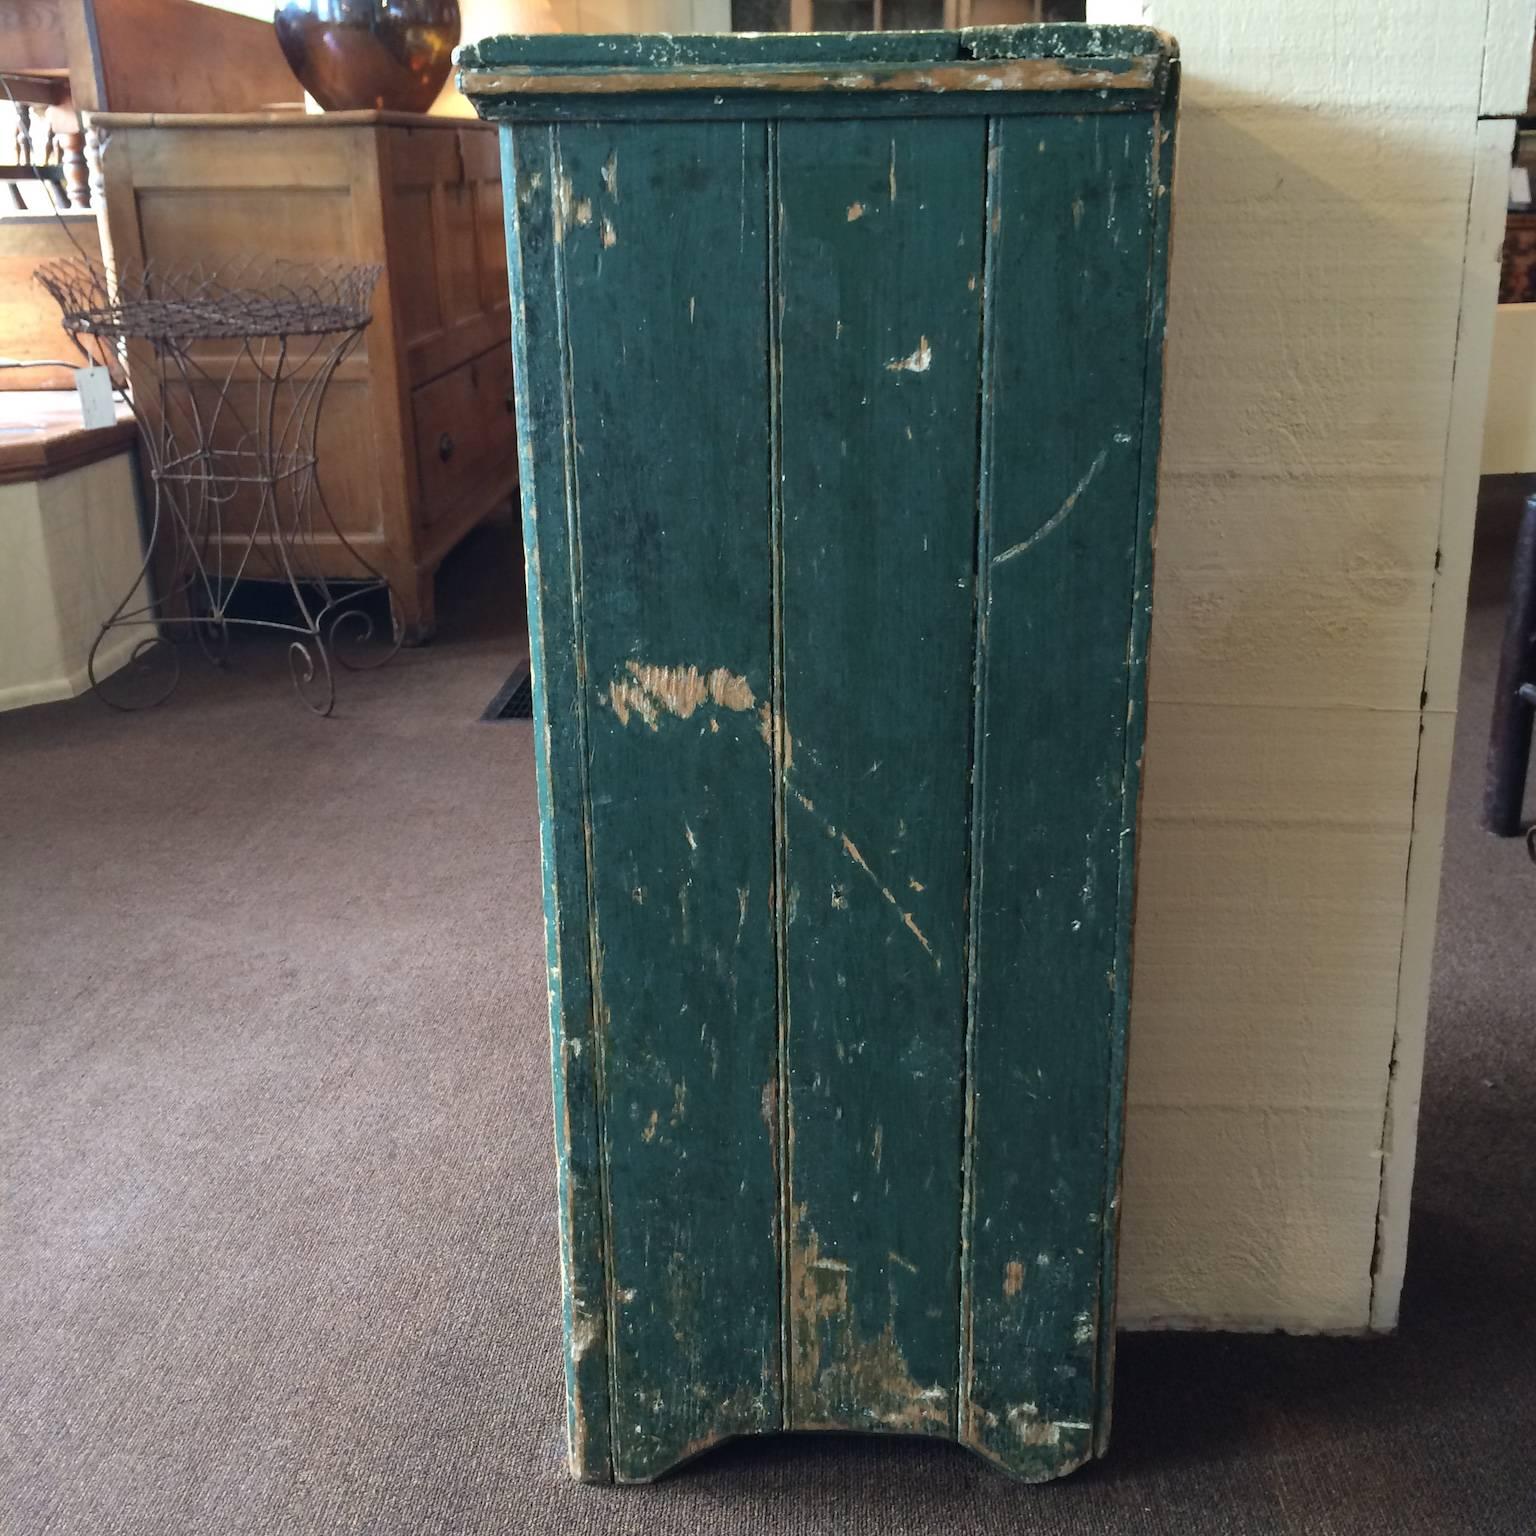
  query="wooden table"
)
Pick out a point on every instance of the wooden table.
point(41, 435)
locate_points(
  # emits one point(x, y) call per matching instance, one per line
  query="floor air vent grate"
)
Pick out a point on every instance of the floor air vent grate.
point(514, 699)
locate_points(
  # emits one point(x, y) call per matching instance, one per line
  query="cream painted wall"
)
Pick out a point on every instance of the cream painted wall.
point(1337, 212)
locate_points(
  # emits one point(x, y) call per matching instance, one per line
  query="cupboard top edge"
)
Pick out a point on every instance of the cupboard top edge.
point(1076, 59)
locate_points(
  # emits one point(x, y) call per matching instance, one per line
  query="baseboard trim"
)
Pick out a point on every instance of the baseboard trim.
point(54, 690)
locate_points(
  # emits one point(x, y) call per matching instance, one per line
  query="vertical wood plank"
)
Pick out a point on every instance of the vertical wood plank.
point(538, 352)
point(1160, 164)
point(662, 234)
point(881, 293)
point(1061, 541)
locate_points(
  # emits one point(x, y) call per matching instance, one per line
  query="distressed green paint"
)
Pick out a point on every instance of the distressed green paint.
point(880, 269)
point(1135, 735)
point(839, 424)
point(660, 52)
point(1059, 541)
point(676, 645)
point(560, 742)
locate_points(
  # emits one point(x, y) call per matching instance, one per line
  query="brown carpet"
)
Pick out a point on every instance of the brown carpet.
point(277, 1249)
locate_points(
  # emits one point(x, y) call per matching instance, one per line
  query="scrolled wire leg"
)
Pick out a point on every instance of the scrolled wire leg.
point(139, 671)
point(140, 683)
point(349, 628)
point(309, 665)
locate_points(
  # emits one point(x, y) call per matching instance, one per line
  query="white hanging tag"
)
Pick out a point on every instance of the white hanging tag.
point(94, 387)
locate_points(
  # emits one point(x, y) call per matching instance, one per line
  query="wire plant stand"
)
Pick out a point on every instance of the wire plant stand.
point(239, 360)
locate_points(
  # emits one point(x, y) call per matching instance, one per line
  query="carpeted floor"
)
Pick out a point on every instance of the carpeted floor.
point(277, 1248)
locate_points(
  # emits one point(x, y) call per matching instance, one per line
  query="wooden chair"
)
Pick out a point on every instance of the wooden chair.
point(61, 59)
point(64, 58)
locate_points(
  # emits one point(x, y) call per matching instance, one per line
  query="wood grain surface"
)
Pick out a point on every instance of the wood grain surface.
point(839, 455)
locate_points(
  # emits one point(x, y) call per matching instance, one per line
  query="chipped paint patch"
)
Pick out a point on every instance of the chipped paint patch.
point(649, 691)
point(609, 235)
point(649, 1133)
point(835, 1362)
point(1059, 516)
point(1013, 1278)
point(562, 208)
point(610, 174)
point(1137, 72)
point(586, 1334)
point(678, 690)
point(1029, 1428)
point(776, 737)
point(919, 360)
point(851, 849)
point(855, 212)
point(627, 698)
point(729, 691)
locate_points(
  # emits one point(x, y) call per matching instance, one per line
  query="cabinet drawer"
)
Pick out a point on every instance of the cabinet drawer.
point(466, 434)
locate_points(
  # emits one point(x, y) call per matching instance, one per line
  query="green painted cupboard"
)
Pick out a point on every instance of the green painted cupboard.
point(838, 363)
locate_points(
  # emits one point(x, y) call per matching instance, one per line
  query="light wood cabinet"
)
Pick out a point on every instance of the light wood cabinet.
point(417, 441)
